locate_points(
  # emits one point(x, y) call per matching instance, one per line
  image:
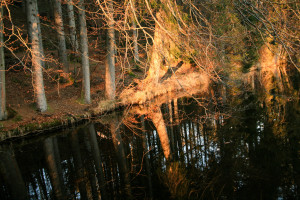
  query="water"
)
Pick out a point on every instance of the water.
point(247, 150)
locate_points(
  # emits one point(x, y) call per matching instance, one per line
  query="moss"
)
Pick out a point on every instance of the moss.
point(50, 124)
point(31, 127)
point(137, 68)
point(17, 118)
point(81, 99)
point(131, 74)
point(11, 113)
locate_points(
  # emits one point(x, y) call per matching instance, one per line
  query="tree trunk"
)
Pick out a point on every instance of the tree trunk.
point(110, 87)
point(29, 30)
point(163, 45)
point(3, 112)
point(85, 53)
point(134, 33)
point(62, 49)
point(36, 53)
point(156, 58)
point(72, 26)
point(135, 42)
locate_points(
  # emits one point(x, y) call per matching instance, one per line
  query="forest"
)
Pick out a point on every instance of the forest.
point(145, 99)
point(65, 58)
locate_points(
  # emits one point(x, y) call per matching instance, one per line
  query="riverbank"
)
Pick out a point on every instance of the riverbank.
point(65, 105)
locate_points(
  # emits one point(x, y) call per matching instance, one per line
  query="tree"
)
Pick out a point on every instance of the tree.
point(110, 87)
point(84, 53)
point(29, 32)
point(38, 82)
point(62, 49)
point(72, 25)
point(3, 112)
point(135, 33)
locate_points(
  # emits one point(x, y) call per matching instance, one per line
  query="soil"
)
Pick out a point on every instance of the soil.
point(63, 97)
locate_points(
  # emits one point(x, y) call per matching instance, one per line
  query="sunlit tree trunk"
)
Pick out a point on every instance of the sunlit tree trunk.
point(62, 49)
point(12, 176)
point(85, 53)
point(39, 30)
point(158, 121)
point(134, 33)
point(110, 87)
point(135, 41)
point(3, 112)
point(55, 171)
point(162, 46)
point(72, 25)
point(156, 58)
point(36, 55)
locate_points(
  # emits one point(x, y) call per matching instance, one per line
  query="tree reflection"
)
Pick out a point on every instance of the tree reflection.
point(55, 171)
point(10, 172)
point(158, 121)
point(162, 151)
point(98, 161)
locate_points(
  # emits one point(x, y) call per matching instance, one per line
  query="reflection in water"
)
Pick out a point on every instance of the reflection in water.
point(158, 121)
point(10, 172)
point(53, 160)
point(161, 152)
point(78, 165)
point(97, 158)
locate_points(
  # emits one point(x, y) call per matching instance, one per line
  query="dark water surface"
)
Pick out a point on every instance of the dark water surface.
point(177, 150)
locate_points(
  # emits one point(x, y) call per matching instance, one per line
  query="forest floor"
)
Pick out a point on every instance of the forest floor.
point(64, 99)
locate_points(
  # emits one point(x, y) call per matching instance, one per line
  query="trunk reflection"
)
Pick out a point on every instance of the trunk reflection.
point(157, 151)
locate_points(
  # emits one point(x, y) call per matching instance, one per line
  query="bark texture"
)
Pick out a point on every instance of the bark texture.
point(110, 87)
point(62, 49)
point(72, 25)
point(135, 40)
point(84, 53)
point(36, 55)
point(3, 112)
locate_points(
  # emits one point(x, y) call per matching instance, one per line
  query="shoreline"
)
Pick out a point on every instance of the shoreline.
point(34, 128)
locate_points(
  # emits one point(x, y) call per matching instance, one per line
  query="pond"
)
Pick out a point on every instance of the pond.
point(180, 149)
